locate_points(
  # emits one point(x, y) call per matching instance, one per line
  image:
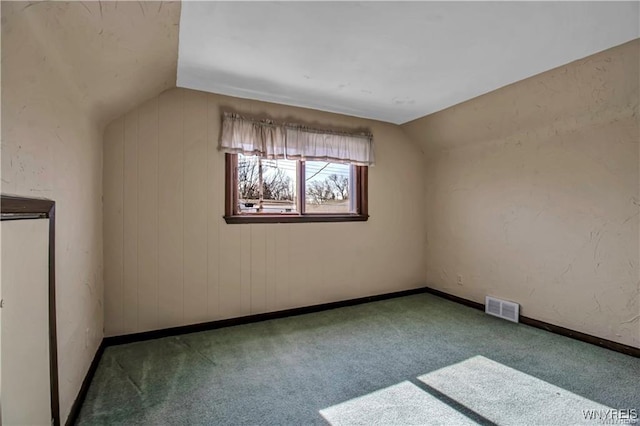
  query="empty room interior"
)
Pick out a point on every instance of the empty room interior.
point(339, 213)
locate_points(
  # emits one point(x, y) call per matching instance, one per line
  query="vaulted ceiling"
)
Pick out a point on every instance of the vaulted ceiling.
point(391, 61)
point(112, 55)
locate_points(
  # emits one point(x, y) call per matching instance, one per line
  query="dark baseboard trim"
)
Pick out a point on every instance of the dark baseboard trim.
point(609, 344)
point(193, 328)
point(466, 302)
point(175, 331)
point(82, 394)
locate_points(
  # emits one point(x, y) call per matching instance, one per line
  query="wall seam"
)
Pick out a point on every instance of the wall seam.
point(157, 320)
point(137, 219)
point(122, 325)
point(208, 183)
point(183, 181)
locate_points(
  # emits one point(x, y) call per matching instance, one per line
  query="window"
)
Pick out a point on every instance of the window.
point(263, 190)
point(266, 186)
point(327, 187)
point(292, 173)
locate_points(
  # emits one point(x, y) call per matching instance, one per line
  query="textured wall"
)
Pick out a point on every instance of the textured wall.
point(170, 259)
point(50, 148)
point(66, 69)
point(533, 195)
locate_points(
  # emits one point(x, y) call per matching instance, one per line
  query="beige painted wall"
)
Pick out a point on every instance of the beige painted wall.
point(533, 193)
point(51, 149)
point(67, 67)
point(170, 259)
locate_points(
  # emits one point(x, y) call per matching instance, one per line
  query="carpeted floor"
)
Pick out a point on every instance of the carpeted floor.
point(284, 372)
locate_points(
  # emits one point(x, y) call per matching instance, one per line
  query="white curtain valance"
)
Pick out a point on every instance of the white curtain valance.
point(242, 135)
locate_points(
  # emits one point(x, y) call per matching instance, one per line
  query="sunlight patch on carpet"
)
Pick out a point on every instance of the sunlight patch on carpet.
point(401, 404)
point(509, 397)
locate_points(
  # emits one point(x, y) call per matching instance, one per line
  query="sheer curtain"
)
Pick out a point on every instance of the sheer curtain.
point(265, 138)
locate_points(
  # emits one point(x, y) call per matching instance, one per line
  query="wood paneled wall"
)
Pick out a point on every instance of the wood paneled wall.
point(171, 260)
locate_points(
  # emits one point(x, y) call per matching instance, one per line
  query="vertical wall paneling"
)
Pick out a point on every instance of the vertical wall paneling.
point(258, 268)
point(195, 207)
point(315, 261)
point(230, 266)
point(113, 184)
point(282, 267)
point(297, 265)
point(148, 215)
point(270, 267)
point(214, 197)
point(130, 222)
point(172, 260)
point(245, 269)
point(170, 209)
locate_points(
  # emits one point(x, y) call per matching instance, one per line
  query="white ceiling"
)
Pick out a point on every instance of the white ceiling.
point(389, 61)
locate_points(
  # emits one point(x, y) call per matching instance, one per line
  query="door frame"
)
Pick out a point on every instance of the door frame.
point(20, 208)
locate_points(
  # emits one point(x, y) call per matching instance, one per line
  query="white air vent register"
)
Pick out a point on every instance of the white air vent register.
point(502, 309)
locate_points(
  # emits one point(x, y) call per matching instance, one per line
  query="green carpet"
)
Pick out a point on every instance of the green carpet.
point(285, 371)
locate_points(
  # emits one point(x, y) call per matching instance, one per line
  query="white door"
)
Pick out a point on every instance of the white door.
point(24, 357)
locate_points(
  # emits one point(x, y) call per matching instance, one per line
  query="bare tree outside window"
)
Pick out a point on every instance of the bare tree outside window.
point(263, 190)
point(327, 187)
point(269, 186)
point(266, 185)
point(332, 188)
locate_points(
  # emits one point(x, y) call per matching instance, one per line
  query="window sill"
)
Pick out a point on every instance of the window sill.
point(308, 218)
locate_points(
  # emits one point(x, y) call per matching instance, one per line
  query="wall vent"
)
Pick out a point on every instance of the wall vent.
point(502, 309)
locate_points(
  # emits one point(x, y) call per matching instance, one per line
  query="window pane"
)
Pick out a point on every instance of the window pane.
point(328, 187)
point(278, 177)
